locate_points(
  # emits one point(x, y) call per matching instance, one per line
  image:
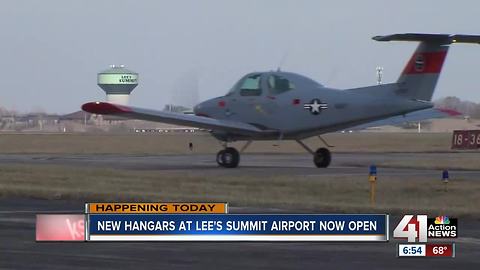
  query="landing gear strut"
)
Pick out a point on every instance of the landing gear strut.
point(228, 157)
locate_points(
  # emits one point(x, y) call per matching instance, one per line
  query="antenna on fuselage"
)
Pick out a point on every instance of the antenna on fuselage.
point(379, 75)
point(282, 61)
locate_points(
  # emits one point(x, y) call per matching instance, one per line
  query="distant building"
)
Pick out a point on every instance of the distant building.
point(82, 116)
point(30, 122)
point(76, 116)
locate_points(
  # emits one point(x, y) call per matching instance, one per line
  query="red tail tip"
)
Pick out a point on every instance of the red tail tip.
point(450, 112)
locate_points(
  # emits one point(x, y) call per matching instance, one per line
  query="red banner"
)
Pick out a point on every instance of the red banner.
point(60, 228)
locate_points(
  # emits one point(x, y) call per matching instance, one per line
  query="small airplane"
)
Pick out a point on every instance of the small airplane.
point(276, 105)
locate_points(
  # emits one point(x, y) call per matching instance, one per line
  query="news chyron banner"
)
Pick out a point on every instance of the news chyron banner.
point(156, 208)
point(236, 227)
point(209, 222)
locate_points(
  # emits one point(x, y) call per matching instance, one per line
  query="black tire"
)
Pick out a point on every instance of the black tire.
point(230, 158)
point(322, 158)
point(219, 157)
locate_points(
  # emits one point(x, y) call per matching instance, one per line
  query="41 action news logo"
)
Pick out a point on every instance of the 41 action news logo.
point(420, 228)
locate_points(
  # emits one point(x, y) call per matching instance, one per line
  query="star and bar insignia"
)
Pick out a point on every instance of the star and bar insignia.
point(315, 106)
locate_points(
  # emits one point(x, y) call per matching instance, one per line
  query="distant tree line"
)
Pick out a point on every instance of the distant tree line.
point(468, 108)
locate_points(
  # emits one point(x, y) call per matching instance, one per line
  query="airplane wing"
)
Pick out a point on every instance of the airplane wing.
point(106, 108)
point(410, 117)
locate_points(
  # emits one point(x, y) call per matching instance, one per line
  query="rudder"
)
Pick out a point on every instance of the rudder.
point(420, 75)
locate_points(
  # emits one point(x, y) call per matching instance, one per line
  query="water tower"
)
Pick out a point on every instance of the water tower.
point(117, 82)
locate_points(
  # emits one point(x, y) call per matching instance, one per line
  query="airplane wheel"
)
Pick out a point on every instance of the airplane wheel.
point(219, 157)
point(322, 158)
point(228, 158)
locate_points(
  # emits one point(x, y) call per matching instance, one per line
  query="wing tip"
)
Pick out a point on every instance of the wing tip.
point(450, 112)
point(105, 108)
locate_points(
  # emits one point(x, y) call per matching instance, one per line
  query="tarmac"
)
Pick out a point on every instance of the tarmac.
point(350, 164)
point(18, 249)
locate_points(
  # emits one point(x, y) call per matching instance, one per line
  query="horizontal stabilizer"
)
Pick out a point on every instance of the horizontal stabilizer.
point(417, 116)
point(434, 38)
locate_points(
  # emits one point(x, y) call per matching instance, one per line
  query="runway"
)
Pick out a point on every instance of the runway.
point(20, 251)
point(346, 164)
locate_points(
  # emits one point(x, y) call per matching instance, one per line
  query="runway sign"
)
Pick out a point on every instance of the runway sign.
point(466, 139)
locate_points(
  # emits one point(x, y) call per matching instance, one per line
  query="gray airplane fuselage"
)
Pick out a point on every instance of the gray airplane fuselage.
point(303, 107)
point(283, 105)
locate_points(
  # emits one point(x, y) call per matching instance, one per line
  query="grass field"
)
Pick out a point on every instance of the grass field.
point(326, 193)
point(322, 194)
point(204, 143)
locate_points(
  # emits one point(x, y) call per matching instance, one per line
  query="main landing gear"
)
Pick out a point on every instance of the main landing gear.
point(322, 157)
point(229, 157)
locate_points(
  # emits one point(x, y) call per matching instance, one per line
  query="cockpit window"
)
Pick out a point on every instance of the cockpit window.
point(278, 84)
point(251, 86)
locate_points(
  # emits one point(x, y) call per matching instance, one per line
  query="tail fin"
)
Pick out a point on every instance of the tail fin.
point(420, 75)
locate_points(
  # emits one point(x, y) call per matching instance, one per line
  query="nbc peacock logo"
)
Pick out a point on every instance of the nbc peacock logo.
point(442, 220)
point(442, 227)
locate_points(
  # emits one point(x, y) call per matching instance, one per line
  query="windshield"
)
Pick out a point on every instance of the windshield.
point(248, 86)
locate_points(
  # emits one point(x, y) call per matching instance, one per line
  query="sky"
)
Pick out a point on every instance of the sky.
point(51, 50)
